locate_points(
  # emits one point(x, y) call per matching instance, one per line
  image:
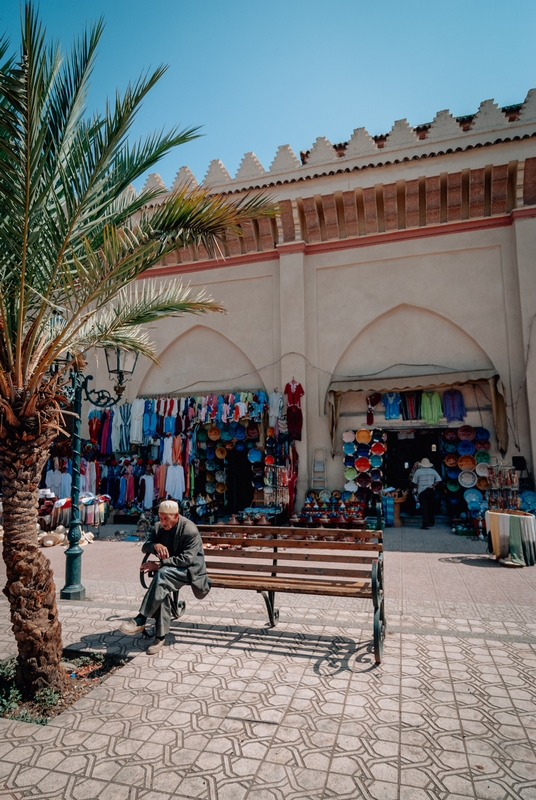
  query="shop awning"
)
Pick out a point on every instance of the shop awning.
point(374, 383)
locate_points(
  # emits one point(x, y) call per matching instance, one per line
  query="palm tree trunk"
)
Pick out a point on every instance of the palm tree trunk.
point(30, 586)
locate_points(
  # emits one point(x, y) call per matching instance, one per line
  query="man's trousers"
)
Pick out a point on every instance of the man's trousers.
point(157, 600)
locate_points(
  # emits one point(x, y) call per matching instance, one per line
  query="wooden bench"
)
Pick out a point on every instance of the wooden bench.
point(321, 561)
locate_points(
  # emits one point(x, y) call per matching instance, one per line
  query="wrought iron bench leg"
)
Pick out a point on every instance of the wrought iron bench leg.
point(273, 613)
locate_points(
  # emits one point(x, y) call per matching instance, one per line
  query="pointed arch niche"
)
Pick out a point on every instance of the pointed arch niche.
point(198, 361)
point(409, 341)
point(410, 347)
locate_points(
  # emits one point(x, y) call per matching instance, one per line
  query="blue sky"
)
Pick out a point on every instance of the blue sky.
point(256, 75)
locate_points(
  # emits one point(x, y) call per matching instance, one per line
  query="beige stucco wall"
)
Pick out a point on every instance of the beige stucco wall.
point(447, 301)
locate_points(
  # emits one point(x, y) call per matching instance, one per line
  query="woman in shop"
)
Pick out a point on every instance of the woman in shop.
point(425, 479)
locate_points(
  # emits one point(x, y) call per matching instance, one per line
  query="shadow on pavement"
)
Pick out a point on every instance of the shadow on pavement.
point(331, 655)
point(471, 561)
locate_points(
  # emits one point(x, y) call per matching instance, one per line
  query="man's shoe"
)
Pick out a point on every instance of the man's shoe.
point(131, 627)
point(155, 647)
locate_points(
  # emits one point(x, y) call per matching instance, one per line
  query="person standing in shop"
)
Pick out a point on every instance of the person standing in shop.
point(425, 479)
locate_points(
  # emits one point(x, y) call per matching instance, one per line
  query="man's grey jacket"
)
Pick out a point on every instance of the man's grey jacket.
point(186, 553)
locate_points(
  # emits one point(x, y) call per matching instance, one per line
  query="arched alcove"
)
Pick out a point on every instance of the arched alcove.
point(410, 340)
point(200, 360)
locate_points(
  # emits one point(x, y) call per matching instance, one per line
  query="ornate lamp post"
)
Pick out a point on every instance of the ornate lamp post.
point(121, 365)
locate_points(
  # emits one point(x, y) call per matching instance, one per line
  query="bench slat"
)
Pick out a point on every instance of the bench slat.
point(294, 544)
point(285, 555)
point(360, 533)
point(284, 569)
point(300, 586)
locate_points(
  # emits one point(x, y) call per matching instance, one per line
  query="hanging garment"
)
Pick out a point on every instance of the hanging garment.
point(175, 484)
point(136, 421)
point(124, 440)
point(167, 450)
point(66, 483)
point(91, 478)
point(411, 405)
point(294, 392)
point(431, 407)
point(294, 422)
point(148, 492)
point(275, 407)
point(453, 405)
point(372, 402)
point(116, 430)
point(53, 482)
point(391, 402)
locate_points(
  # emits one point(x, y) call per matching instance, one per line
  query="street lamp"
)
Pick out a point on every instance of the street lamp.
point(121, 365)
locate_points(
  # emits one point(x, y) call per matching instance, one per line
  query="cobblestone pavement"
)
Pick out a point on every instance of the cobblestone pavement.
point(233, 710)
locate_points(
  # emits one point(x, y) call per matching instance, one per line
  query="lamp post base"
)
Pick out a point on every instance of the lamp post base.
point(73, 593)
point(73, 589)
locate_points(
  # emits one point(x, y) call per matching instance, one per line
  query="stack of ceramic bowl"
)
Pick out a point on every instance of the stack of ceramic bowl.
point(363, 459)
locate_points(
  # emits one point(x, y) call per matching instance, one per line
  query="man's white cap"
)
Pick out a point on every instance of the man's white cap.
point(168, 507)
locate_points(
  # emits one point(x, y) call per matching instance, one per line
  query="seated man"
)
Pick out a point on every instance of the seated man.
point(177, 543)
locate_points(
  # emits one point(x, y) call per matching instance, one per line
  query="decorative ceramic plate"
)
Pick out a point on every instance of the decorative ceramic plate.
point(467, 478)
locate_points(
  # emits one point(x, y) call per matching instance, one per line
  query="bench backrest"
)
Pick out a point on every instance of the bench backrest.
point(332, 554)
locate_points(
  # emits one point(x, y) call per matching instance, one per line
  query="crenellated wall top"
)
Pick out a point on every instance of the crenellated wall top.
point(445, 134)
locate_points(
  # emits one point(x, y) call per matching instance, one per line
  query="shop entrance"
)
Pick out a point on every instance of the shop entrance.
point(405, 448)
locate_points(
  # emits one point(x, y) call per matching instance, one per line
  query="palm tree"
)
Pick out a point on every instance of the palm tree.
point(74, 238)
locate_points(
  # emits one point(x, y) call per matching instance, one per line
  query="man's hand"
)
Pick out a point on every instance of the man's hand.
point(161, 551)
point(149, 566)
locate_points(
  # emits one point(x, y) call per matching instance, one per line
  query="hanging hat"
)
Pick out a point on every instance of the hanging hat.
point(214, 433)
point(221, 452)
point(240, 433)
point(466, 433)
point(466, 447)
point(254, 456)
point(467, 462)
point(252, 431)
point(202, 435)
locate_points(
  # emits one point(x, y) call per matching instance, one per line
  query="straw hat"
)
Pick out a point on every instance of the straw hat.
point(425, 462)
